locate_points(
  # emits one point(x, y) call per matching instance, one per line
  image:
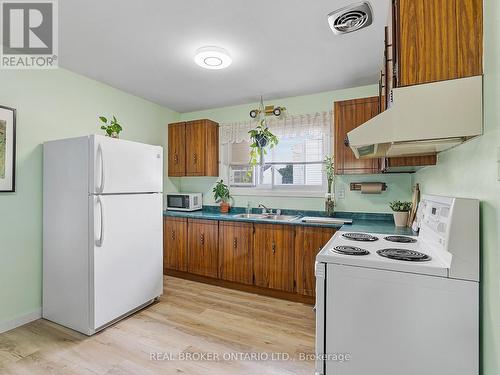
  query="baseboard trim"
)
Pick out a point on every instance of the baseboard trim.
point(7, 325)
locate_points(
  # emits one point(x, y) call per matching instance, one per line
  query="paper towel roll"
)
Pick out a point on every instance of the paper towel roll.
point(371, 187)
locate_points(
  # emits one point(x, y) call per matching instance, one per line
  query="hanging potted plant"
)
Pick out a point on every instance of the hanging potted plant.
point(113, 128)
point(330, 176)
point(261, 138)
point(400, 213)
point(222, 195)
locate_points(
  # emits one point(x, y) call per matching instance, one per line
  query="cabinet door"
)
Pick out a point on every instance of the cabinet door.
point(308, 242)
point(438, 40)
point(212, 149)
point(235, 252)
point(348, 115)
point(175, 244)
point(273, 256)
point(203, 247)
point(177, 149)
point(195, 148)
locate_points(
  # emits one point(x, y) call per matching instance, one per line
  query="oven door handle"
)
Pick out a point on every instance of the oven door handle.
point(320, 307)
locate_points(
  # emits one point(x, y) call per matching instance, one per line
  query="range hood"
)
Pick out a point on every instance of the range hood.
point(423, 119)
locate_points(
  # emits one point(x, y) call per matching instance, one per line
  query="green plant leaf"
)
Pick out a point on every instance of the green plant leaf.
point(103, 119)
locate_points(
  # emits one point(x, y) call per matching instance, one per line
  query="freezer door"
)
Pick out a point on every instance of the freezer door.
point(119, 166)
point(127, 253)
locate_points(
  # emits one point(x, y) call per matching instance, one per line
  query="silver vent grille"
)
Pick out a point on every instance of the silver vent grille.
point(351, 18)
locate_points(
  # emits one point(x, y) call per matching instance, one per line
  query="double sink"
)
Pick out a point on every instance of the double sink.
point(267, 217)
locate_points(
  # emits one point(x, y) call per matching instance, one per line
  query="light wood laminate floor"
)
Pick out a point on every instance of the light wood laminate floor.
point(190, 319)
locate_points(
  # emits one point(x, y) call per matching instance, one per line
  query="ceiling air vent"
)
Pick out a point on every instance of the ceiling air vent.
point(351, 18)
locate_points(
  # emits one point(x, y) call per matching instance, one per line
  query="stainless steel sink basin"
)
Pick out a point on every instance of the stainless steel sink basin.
point(266, 217)
point(250, 216)
point(281, 217)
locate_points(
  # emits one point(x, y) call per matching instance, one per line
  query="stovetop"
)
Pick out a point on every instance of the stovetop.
point(383, 251)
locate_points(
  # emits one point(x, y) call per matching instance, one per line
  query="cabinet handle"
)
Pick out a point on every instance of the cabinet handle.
point(173, 234)
point(346, 141)
point(195, 158)
point(176, 159)
point(202, 239)
point(274, 248)
point(235, 242)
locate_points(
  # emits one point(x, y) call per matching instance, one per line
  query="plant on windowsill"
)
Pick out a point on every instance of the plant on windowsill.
point(113, 128)
point(330, 177)
point(222, 195)
point(400, 213)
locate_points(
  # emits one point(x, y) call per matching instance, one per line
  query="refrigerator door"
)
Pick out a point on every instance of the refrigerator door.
point(119, 166)
point(127, 253)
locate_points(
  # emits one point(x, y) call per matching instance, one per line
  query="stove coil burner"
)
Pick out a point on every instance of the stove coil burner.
point(404, 254)
point(360, 237)
point(350, 250)
point(401, 239)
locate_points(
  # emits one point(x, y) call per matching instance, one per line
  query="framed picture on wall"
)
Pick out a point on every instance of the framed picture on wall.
point(7, 149)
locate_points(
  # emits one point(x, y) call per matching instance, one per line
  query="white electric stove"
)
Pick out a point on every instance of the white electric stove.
point(389, 304)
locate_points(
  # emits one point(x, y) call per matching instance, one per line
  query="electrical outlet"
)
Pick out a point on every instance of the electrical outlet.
point(341, 193)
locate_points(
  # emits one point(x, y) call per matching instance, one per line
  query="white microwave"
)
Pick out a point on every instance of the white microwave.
point(184, 201)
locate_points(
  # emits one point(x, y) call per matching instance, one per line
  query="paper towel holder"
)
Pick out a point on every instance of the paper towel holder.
point(356, 186)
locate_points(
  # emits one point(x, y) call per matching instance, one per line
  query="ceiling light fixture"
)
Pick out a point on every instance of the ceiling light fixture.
point(212, 58)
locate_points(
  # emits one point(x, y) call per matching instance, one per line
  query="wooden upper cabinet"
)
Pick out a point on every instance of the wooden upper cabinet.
point(437, 40)
point(235, 252)
point(177, 149)
point(193, 148)
point(203, 247)
point(175, 243)
point(308, 242)
point(348, 115)
point(273, 256)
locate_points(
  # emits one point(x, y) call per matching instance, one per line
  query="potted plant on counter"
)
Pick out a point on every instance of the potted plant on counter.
point(401, 210)
point(222, 195)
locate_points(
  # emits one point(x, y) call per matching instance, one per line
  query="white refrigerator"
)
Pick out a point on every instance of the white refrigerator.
point(102, 230)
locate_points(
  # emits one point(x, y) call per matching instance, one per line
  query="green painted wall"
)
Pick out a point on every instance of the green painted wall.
point(398, 185)
point(51, 105)
point(472, 170)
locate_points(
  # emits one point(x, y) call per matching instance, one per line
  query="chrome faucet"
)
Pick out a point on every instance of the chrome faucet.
point(266, 210)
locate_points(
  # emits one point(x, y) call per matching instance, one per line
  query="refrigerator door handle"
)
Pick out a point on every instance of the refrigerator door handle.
point(100, 240)
point(101, 157)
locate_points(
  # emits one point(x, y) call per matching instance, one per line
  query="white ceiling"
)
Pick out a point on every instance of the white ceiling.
point(280, 48)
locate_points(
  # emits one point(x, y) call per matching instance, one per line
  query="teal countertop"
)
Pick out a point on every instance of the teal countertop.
point(362, 222)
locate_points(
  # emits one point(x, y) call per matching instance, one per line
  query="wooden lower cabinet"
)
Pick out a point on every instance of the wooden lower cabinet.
point(235, 252)
point(203, 247)
point(270, 259)
point(308, 242)
point(273, 263)
point(175, 243)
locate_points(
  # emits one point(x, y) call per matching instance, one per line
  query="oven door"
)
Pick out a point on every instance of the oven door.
point(320, 307)
point(177, 202)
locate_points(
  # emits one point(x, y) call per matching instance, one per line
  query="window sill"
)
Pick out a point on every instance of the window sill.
point(277, 193)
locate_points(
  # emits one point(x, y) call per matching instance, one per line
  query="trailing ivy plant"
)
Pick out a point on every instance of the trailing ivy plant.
point(112, 128)
point(398, 206)
point(261, 139)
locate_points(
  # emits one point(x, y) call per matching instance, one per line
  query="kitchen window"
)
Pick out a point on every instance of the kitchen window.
point(294, 165)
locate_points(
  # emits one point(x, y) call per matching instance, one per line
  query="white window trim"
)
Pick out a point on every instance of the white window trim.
point(239, 191)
